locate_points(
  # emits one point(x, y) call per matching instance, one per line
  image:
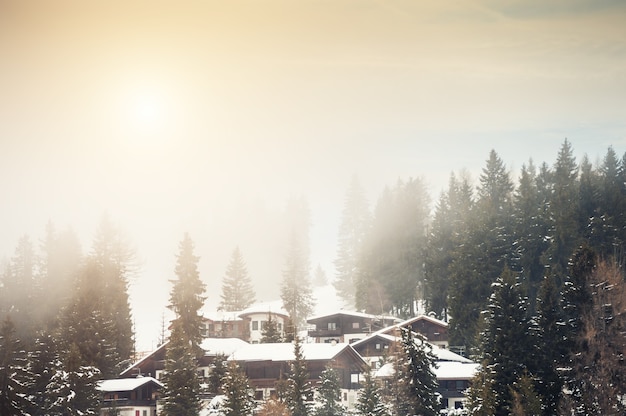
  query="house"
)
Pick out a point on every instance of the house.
point(266, 364)
point(223, 324)
point(434, 330)
point(344, 326)
point(153, 364)
point(259, 314)
point(453, 371)
point(130, 396)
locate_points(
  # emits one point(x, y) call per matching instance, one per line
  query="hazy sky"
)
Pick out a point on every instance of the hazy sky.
point(181, 116)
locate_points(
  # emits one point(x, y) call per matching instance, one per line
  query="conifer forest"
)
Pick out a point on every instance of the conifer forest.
point(526, 267)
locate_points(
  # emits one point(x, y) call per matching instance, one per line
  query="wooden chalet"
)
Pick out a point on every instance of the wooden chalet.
point(344, 326)
point(132, 396)
point(266, 364)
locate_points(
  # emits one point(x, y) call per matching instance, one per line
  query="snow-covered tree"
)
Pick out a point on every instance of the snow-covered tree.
point(239, 399)
point(182, 383)
point(370, 402)
point(507, 345)
point(329, 394)
point(299, 390)
point(270, 333)
point(13, 372)
point(237, 290)
point(217, 373)
point(73, 389)
point(416, 381)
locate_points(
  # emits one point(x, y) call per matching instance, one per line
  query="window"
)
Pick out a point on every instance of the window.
point(444, 403)
point(355, 325)
point(145, 413)
point(458, 404)
point(280, 326)
point(263, 324)
point(255, 325)
point(332, 326)
point(258, 395)
point(377, 346)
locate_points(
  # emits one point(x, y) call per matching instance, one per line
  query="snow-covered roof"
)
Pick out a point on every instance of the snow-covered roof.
point(226, 346)
point(425, 318)
point(145, 358)
point(444, 370)
point(451, 370)
point(443, 354)
point(126, 384)
point(275, 307)
point(352, 313)
point(284, 352)
point(222, 316)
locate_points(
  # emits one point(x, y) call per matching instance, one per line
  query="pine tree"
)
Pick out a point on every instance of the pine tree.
point(73, 389)
point(417, 384)
point(182, 384)
point(270, 333)
point(526, 401)
point(329, 394)
point(299, 389)
point(530, 228)
point(43, 365)
point(551, 353)
point(59, 263)
point(507, 343)
point(19, 291)
point(86, 326)
point(370, 401)
point(295, 290)
point(13, 372)
point(391, 268)
point(116, 261)
point(239, 400)
point(216, 375)
point(273, 407)
point(564, 210)
point(353, 228)
point(237, 291)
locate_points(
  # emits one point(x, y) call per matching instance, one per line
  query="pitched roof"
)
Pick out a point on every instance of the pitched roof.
point(352, 313)
point(275, 307)
point(444, 370)
point(284, 352)
point(226, 346)
point(126, 384)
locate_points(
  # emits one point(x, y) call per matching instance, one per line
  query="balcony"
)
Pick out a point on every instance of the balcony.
point(322, 333)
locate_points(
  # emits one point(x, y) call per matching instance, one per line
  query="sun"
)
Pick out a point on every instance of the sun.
point(146, 111)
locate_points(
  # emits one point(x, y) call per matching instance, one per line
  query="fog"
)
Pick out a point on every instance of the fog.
point(208, 117)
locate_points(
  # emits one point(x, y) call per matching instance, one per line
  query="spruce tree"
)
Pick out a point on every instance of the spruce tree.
point(270, 333)
point(43, 365)
point(353, 228)
point(239, 400)
point(370, 401)
point(417, 384)
point(73, 389)
point(13, 372)
point(295, 290)
point(299, 389)
point(182, 384)
point(329, 394)
point(506, 342)
point(87, 327)
point(237, 291)
point(116, 263)
point(564, 210)
point(217, 373)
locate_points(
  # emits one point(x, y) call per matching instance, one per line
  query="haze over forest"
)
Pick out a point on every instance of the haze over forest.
point(209, 117)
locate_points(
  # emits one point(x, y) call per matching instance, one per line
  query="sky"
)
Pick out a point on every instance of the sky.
point(208, 116)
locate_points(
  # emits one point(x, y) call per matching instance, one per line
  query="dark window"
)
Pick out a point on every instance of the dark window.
point(258, 395)
point(255, 325)
point(458, 404)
